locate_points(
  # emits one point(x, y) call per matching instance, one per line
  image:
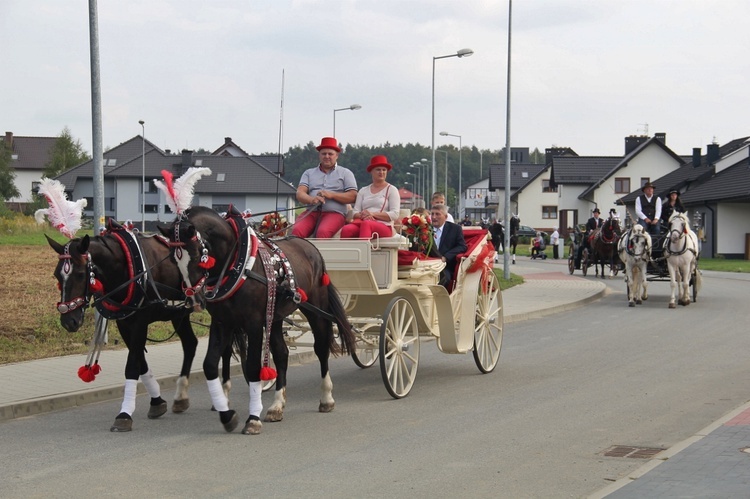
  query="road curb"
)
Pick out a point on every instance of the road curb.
point(537, 314)
point(87, 396)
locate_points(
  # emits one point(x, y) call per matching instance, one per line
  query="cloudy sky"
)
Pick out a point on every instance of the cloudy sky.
point(585, 73)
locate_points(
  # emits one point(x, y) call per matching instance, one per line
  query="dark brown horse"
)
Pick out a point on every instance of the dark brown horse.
point(299, 281)
point(102, 267)
point(603, 243)
point(515, 223)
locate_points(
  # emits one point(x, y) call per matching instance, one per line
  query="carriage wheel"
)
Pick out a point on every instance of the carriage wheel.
point(571, 260)
point(399, 347)
point(585, 261)
point(366, 350)
point(488, 325)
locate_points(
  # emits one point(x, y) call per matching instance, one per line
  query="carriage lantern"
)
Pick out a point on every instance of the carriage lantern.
point(697, 220)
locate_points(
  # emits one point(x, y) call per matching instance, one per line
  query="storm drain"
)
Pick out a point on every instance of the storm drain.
point(631, 452)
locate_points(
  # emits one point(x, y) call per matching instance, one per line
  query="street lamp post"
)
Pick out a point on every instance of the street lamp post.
point(353, 107)
point(481, 157)
point(418, 186)
point(143, 175)
point(460, 165)
point(445, 189)
point(459, 54)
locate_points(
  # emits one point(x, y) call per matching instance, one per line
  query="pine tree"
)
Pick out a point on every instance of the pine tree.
point(66, 153)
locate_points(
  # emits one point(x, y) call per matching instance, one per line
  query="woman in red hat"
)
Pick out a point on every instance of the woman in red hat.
point(326, 189)
point(377, 204)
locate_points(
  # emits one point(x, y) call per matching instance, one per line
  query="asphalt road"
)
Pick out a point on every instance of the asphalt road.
point(567, 388)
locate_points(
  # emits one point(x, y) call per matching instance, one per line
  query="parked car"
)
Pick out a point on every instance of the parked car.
point(526, 231)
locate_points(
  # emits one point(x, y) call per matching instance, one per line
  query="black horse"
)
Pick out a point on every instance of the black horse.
point(103, 267)
point(239, 302)
point(515, 223)
point(603, 243)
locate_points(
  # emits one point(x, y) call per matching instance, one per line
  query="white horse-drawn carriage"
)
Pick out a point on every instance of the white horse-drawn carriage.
point(393, 305)
point(673, 257)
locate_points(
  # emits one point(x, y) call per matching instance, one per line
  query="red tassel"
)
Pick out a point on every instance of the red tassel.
point(84, 372)
point(302, 295)
point(267, 373)
point(96, 368)
point(208, 264)
point(96, 286)
point(325, 280)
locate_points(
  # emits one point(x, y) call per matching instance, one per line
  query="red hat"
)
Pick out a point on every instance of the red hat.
point(329, 143)
point(379, 160)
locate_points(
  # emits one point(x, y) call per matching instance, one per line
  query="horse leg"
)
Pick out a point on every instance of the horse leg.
point(281, 360)
point(685, 285)
point(323, 341)
point(189, 342)
point(255, 339)
point(630, 280)
point(217, 340)
point(672, 282)
point(133, 333)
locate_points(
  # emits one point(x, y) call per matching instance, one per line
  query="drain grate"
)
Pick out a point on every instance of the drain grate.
point(631, 452)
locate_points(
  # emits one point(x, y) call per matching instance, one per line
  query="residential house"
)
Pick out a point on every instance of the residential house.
point(29, 157)
point(476, 201)
point(235, 180)
point(521, 172)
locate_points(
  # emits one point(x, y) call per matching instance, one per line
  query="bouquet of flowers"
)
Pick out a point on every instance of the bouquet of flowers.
point(273, 223)
point(418, 229)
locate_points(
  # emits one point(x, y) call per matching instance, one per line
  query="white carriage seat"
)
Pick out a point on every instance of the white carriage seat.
point(419, 269)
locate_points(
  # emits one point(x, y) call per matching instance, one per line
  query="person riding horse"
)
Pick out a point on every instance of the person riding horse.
point(593, 223)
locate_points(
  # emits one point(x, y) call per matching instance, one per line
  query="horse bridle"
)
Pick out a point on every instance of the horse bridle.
point(80, 301)
point(177, 248)
point(680, 235)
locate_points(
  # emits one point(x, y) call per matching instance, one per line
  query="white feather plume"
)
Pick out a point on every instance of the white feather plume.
point(64, 215)
point(180, 195)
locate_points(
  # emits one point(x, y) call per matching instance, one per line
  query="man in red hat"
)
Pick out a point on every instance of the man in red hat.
point(648, 209)
point(326, 189)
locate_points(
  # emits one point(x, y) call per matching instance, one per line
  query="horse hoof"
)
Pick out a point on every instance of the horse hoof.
point(631, 304)
point(252, 427)
point(274, 415)
point(638, 302)
point(229, 420)
point(123, 423)
point(180, 405)
point(672, 305)
point(158, 410)
point(327, 407)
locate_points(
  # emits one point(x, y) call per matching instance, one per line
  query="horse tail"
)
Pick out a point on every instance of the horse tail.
point(346, 333)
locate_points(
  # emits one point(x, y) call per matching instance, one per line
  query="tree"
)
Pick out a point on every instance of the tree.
point(8, 187)
point(66, 153)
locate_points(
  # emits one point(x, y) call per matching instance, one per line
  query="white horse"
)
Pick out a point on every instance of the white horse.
point(635, 251)
point(681, 250)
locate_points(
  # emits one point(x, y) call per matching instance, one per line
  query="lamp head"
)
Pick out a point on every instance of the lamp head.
point(464, 52)
point(444, 133)
point(355, 106)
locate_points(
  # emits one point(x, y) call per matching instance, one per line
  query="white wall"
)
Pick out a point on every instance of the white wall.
point(732, 223)
point(653, 163)
point(530, 202)
point(23, 182)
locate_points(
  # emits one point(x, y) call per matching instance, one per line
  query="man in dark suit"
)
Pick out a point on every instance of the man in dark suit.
point(593, 223)
point(449, 239)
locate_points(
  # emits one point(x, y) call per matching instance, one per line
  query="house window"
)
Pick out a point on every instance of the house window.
point(152, 208)
point(167, 209)
point(645, 180)
point(622, 185)
point(546, 187)
point(149, 187)
point(549, 212)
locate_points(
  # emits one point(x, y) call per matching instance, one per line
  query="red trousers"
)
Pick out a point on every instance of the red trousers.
point(365, 229)
point(330, 223)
